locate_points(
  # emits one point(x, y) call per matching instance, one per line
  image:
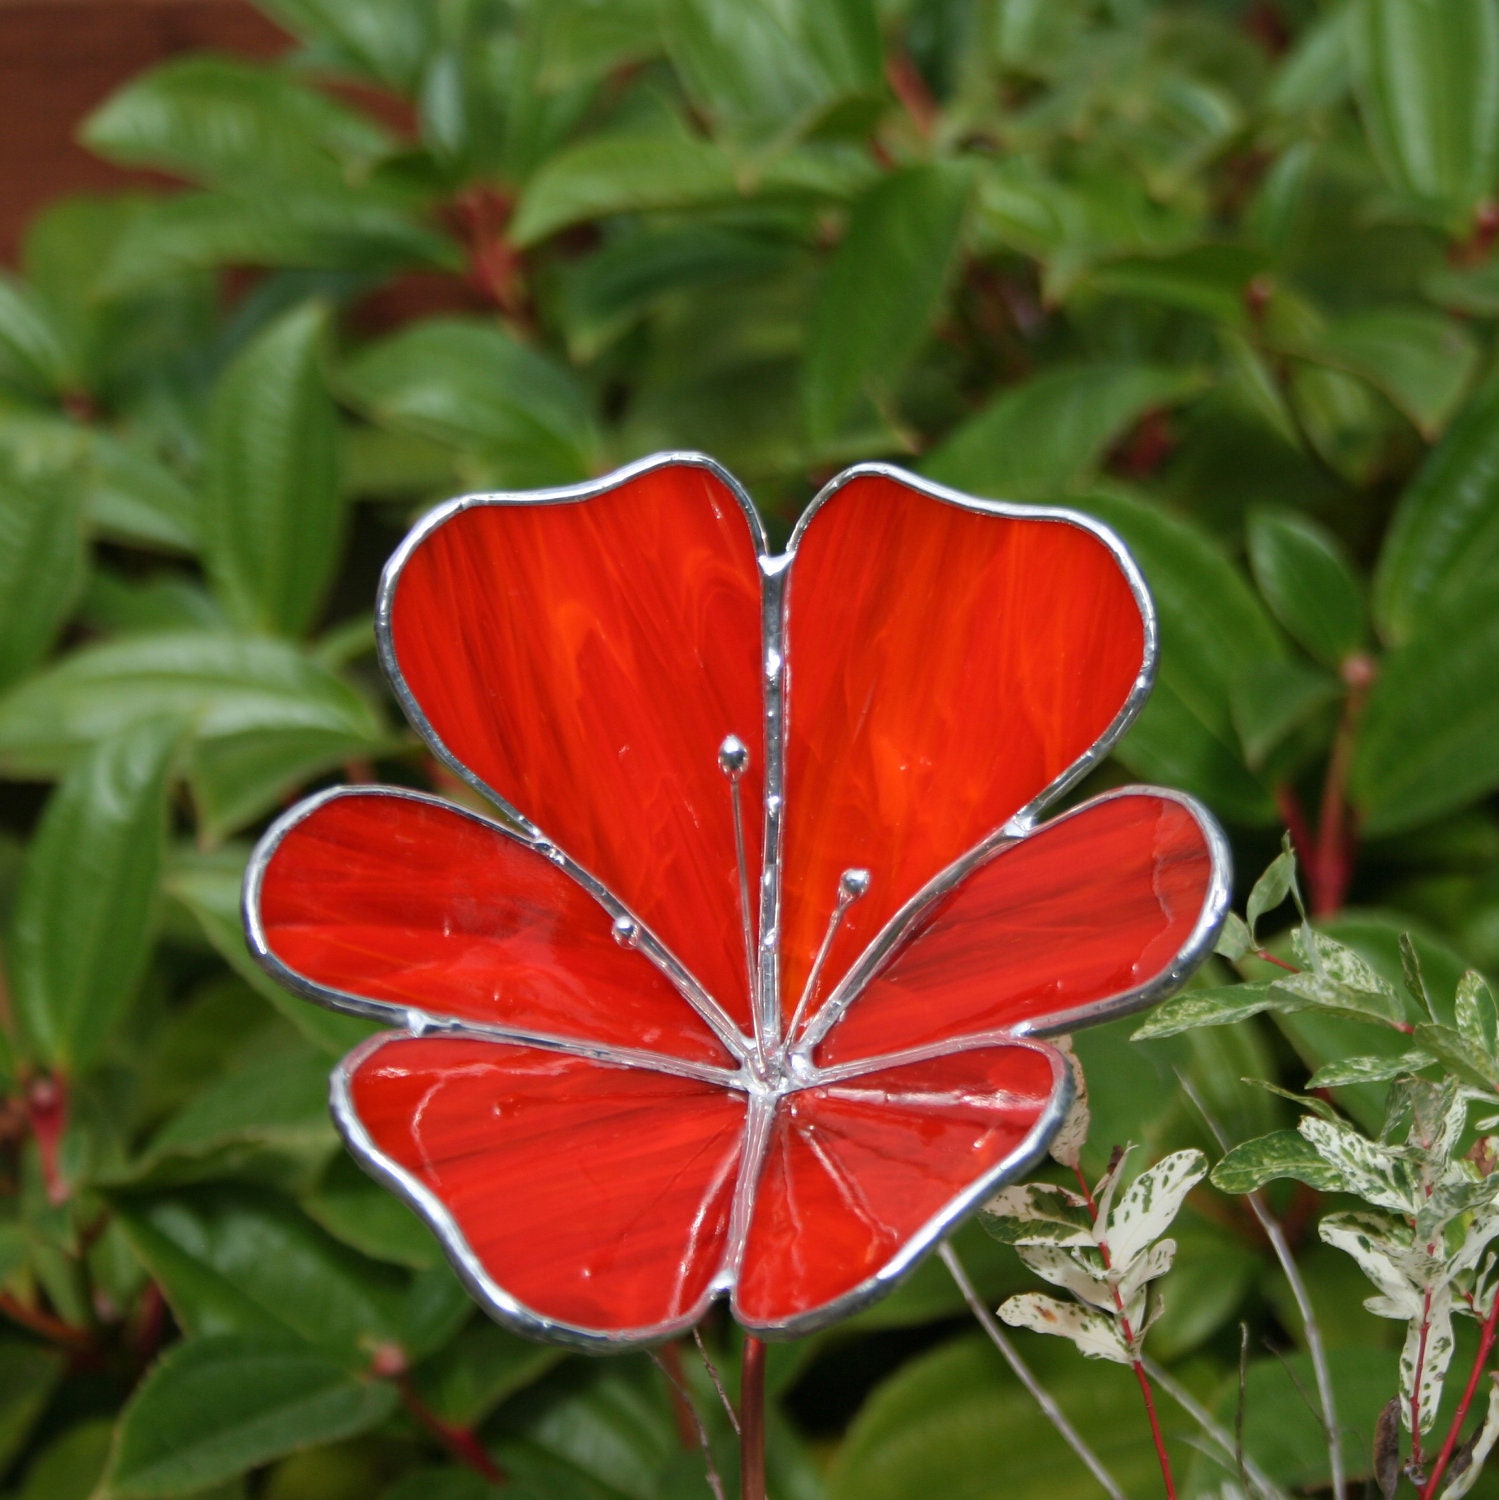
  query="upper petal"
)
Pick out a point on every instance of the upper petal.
point(581, 1202)
point(950, 661)
point(1097, 912)
point(581, 655)
point(388, 901)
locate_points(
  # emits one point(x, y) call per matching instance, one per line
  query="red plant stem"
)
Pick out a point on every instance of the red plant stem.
point(51, 1328)
point(752, 1420)
point(1485, 1344)
point(1331, 866)
point(1416, 1383)
point(1289, 806)
point(47, 1110)
point(459, 1441)
point(1129, 1337)
point(907, 84)
point(1280, 963)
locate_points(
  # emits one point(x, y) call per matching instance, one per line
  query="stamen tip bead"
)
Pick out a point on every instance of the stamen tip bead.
point(852, 884)
point(733, 757)
point(626, 931)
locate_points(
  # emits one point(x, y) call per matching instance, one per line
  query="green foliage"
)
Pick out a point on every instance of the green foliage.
point(1220, 275)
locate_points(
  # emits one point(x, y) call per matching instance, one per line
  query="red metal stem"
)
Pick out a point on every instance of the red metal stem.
point(752, 1420)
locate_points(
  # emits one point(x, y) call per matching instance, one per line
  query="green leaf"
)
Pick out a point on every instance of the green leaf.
point(474, 1372)
point(71, 1466)
point(1308, 581)
point(220, 120)
point(629, 172)
point(1235, 940)
point(353, 1208)
point(472, 385)
point(29, 1374)
point(1427, 77)
point(42, 563)
point(229, 687)
point(1282, 711)
point(1272, 888)
point(1282, 1153)
point(1444, 537)
point(85, 911)
point(1213, 630)
point(1458, 1055)
point(902, 233)
point(217, 1407)
point(1048, 435)
point(945, 1424)
point(242, 1260)
point(1421, 360)
point(763, 73)
point(34, 357)
point(1429, 740)
point(272, 514)
point(1477, 1018)
point(384, 40)
point(132, 497)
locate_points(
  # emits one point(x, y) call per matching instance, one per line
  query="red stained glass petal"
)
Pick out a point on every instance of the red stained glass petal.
point(856, 1169)
point(592, 1196)
point(585, 660)
point(1088, 909)
point(412, 902)
point(947, 665)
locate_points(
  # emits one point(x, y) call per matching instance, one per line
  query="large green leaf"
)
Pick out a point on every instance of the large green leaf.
point(84, 912)
point(272, 512)
point(384, 40)
point(34, 355)
point(41, 562)
point(1213, 631)
point(473, 385)
point(622, 173)
point(1308, 581)
point(29, 1374)
point(1429, 740)
point(228, 687)
point(1427, 78)
point(764, 72)
point(334, 227)
point(1445, 533)
point(1049, 434)
point(953, 1422)
point(247, 1261)
point(1421, 360)
point(903, 233)
point(217, 1407)
point(221, 120)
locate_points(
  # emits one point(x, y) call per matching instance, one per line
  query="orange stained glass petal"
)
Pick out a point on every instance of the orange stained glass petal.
point(585, 660)
point(591, 1196)
point(412, 903)
point(1092, 910)
point(856, 1169)
point(946, 665)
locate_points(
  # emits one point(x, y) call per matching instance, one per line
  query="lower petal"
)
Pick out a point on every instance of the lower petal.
point(578, 1199)
point(862, 1175)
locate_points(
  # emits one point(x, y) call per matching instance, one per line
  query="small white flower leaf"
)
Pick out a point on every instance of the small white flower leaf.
point(1468, 1461)
point(1369, 1171)
point(1154, 1198)
point(1278, 881)
point(1399, 1271)
point(1439, 1113)
point(1235, 940)
point(1431, 1353)
point(1335, 997)
point(1476, 1017)
point(1415, 980)
point(1216, 1007)
point(1095, 1335)
point(1339, 963)
point(1071, 1272)
point(1035, 1213)
point(1106, 1187)
point(1368, 1070)
point(1155, 1261)
point(1067, 1144)
point(1482, 1229)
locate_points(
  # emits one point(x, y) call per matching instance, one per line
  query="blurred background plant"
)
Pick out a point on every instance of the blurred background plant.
point(1218, 273)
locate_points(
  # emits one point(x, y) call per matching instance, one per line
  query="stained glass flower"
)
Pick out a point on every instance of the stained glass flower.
point(740, 993)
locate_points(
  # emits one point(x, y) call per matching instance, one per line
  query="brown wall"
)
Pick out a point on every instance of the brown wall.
point(59, 58)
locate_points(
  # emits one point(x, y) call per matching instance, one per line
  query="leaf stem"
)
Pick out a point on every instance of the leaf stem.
point(1485, 1344)
point(1129, 1338)
point(752, 1420)
point(1331, 866)
point(51, 1328)
point(461, 1442)
point(1311, 1328)
point(1038, 1392)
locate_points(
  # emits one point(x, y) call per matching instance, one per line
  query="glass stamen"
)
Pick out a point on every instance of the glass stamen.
point(851, 885)
point(733, 761)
